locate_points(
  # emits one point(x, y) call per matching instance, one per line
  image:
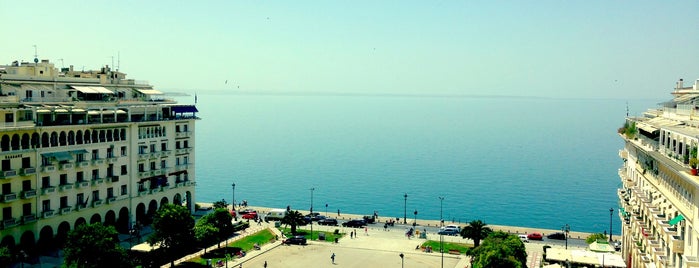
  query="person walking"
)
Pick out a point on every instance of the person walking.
point(265, 265)
point(338, 212)
point(332, 258)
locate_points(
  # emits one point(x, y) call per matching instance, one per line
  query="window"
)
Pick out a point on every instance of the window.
point(80, 199)
point(141, 167)
point(6, 189)
point(123, 170)
point(123, 190)
point(110, 170)
point(177, 128)
point(142, 149)
point(7, 213)
point(110, 192)
point(27, 209)
point(110, 153)
point(26, 185)
point(186, 144)
point(80, 157)
point(95, 195)
point(95, 154)
point(6, 165)
point(152, 165)
point(123, 150)
point(163, 146)
point(46, 205)
point(185, 160)
point(185, 128)
point(26, 163)
point(177, 161)
point(64, 178)
point(95, 174)
point(64, 201)
point(177, 145)
point(45, 182)
point(152, 148)
point(162, 164)
point(9, 118)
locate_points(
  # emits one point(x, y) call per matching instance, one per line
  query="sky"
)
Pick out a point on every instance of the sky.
point(546, 48)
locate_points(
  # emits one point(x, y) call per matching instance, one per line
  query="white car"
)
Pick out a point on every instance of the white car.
point(524, 238)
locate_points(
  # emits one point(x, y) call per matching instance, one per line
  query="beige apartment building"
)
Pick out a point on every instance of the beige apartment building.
point(81, 147)
point(658, 200)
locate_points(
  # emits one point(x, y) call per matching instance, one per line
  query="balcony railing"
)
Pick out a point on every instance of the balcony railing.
point(48, 189)
point(8, 173)
point(82, 184)
point(67, 166)
point(9, 197)
point(677, 244)
point(83, 164)
point(97, 181)
point(65, 210)
point(96, 203)
point(28, 193)
point(48, 168)
point(111, 199)
point(64, 187)
point(7, 223)
point(28, 218)
point(28, 171)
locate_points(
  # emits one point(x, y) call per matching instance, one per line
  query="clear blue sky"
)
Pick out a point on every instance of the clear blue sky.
point(590, 49)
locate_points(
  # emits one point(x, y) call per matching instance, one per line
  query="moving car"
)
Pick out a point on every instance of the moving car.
point(296, 240)
point(354, 223)
point(524, 238)
point(250, 215)
point(535, 236)
point(557, 236)
point(328, 221)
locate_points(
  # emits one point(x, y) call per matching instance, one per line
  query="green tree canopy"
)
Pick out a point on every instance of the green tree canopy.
point(500, 250)
point(173, 229)
point(293, 219)
point(476, 230)
point(205, 233)
point(594, 237)
point(221, 220)
point(94, 245)
point(221, 204)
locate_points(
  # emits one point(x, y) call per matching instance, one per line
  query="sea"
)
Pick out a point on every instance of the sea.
point(517, 161)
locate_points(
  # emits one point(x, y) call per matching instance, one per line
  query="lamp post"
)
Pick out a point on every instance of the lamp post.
point(312, 189)
point(566, 230)
point(441, 219)
point(405, 211)
point(415, 222)
point(611, 211)
point(401, 259)
point(233, 205)
point(326, 210)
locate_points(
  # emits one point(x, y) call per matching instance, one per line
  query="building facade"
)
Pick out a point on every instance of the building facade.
point(658, 197)
point(81, 147)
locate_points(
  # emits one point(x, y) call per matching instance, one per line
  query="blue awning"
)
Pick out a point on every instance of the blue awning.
point(185, 109)
point(59, 156)
point(677, 219)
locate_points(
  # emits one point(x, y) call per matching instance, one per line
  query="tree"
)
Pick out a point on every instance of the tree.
point(205, 233)
point(221, 220)
point(5, 255)
point(173, 229)
point(476, 230)
point(221, 204)
point(293, 219)
point(500, 250)
point(594, 237)
point(94, 245)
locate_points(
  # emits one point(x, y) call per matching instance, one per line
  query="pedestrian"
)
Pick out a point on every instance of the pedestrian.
point(265, 265)
point(332, 257)
point(351, 234)
point(366, 230)
point(338, 212)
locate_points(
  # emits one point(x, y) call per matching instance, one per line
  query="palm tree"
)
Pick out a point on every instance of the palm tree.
point(476, 230)
point(293, 219)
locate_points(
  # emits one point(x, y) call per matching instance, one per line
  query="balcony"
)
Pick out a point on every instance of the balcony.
point(144, 173)
point(113, 178)
point(157, 172)
point(8, 223)
point(111, 199)
point(49, 189)
point(112, 159)
point(28, 218)
point(183, 134)
point(28, 193)
point(96, 203)
point(142, 192)
point(677, 244)
point(97, 181)
point(65, 187)
point(67, 166)
point(82, 184)
point(83, 164)
point(179, 184)
point(65, 210)
point(8, 197)
point(47, 214)
point(156, 189)
point(691, 261)
point(48, 168)
point(27, 171)
point(78, 207)
point(98, 161)
point(142, 156)
point(8, 173)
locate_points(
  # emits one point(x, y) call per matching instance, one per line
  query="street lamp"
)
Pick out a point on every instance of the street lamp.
point(401, 259)
point(233, 205)
point(415, 222)
point(611, 211)
point(405, 211)
point(326, 210)
point(441, 219)
point(312, 189)
point(566, 230)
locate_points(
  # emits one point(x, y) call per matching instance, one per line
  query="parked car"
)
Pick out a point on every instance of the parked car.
point(450, 231)
point(250, 215)
point(296, 240)
point(369, 219)
point(328, 221)
point(557, 236)
point(246, 211)
point(354, 223)
point(524, 238)
point(535, 236)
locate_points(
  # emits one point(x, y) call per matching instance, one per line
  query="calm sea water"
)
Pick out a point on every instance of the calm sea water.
point(507, 161)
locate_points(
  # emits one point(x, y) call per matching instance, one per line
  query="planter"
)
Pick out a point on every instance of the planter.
point(694, 171)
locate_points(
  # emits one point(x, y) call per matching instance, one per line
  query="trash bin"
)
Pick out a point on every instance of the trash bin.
point(321, 236)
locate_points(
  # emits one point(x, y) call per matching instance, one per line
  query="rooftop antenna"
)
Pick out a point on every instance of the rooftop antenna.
point(61, 63)
point(627, 109)
point(112, 61)
point(36, 55)
point(118, 60)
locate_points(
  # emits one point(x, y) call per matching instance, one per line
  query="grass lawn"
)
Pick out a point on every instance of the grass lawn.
point(329, 236)
point(245, 244)
point(461, 247)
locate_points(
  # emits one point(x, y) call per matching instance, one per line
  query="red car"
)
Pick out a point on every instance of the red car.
point(535, 236)
point(250, 215)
